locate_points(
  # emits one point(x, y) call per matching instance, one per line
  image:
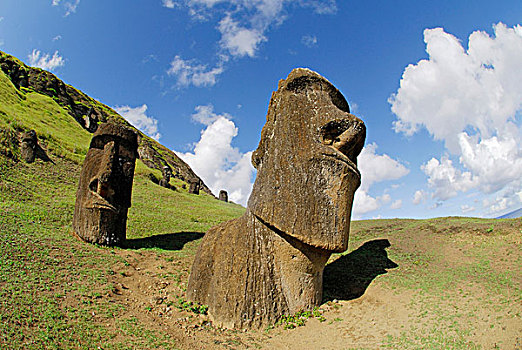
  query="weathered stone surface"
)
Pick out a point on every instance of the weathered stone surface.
point(105, 187)
point(194, 186)
point(223, 196)
point(270, 262)
point(167, 173)
point(30, 149)
point(28, 146)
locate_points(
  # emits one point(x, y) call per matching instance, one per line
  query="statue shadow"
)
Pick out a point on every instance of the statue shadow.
point(349, 276)
point(168, 241)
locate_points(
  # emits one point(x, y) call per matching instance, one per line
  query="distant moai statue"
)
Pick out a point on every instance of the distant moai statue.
point(28, 146)
point(105, 187)
point(223, 196)
point(252, 270)
point(194, 186)
point(30, 149)
point(167, 173)
point(91, 121)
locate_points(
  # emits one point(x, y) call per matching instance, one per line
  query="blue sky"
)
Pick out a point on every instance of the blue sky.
point(436, 82)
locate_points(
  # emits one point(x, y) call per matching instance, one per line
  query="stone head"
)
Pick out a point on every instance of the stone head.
point(306, 162)
point(28, 147)
point(105, 186)
point(166, 172)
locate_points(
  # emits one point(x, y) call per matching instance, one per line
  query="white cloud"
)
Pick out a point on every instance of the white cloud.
point(446, 179)
point(58, 37)
point(220, 165)
point(188, 72)
point(45, 61)
point(70, 6)
point(138, 117)
point(470, 100)
point(309, 40)
point(244, 24)
point(239, 41)
point(206, 116)
point(320, 6)
point(466, 208)
point(397, 204)
point(375, 168)
point(419, 196)
point(169, 4)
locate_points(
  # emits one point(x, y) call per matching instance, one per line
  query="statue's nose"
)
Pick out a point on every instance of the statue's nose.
point(345, 135)
point(101, 182)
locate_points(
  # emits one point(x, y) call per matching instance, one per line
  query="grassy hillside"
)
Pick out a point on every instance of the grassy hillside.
point(445, 283)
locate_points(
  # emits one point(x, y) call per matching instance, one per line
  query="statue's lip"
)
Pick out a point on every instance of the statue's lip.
point(339, 156)
point(98, 202)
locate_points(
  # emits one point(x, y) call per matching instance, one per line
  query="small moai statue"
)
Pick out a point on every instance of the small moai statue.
point(105, 187)
point(28, 146)
point(223, 196)
point(167, 173)
point(194, 186)
point(90, 120)
point(252, 270)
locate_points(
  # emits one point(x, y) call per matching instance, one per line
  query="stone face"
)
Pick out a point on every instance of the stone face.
point(167, 173)
point(30, 149)
point(194, 186)
point(28, 146)
point(223, 196)
point(270, 262)
point(105, 187)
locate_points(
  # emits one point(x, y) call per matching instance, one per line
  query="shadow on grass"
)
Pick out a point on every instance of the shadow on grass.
point(168, 241)
point(349, 276)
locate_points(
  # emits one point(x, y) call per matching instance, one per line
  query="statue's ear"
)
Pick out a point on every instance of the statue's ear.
point(257, 157)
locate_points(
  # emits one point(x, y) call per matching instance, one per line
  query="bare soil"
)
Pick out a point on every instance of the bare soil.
point(393, 310)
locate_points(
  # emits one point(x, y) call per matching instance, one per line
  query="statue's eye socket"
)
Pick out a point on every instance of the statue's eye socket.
point(126, 165)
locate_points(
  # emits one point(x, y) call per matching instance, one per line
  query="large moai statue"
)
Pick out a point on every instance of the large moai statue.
point(105, 187)
point(252, 270)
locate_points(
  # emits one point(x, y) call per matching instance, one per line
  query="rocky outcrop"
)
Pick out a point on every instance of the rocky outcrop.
point(252, 270)
point(89, 113)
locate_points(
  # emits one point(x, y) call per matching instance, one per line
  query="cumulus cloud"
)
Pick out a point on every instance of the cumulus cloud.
point(239, 41)
point(309, 40)
point(471, 100)
point(375, 168)
point(206, 116)
point(419, 197)
point(188, 72)
point(45, 61)
point(397, 204)
point(216, 161)
point(169, 4)
point(138, 117)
